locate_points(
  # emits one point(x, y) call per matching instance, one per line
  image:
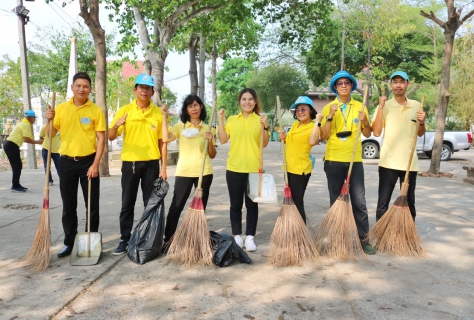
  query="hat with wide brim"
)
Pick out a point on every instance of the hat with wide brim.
point(302, 100)
point(339, 75)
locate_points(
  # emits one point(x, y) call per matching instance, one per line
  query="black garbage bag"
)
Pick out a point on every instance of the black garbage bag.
point(225, 249)
point(147, 237)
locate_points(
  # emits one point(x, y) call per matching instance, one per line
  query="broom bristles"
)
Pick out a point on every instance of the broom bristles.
point(191, 243)
point(395, 233)
point(38, 256)
point(291, 243)
point(337, 236)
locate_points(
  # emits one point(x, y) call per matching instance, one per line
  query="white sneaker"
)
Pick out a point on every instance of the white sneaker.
point(250, 244)
point(238, 239)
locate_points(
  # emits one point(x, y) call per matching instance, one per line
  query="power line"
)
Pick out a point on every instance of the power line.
point(64, 11)
point(52, 8)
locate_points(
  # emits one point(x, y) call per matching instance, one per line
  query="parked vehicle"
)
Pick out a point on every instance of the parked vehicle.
point(453, 141)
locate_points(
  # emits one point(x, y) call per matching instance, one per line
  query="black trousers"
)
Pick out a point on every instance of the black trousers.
point(298, 184)
point(73, 172)
point(13, 153)
point(237, 184)
point(336, 173)
point(55, 157)
point(182, 190)
point(145, 172)
point(387, 180)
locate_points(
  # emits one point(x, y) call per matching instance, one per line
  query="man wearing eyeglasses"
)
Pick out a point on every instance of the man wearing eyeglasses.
point(339, 127)
point(140, 122)
point(398, 117)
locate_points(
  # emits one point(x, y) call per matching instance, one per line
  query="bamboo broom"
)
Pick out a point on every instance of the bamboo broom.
point(290, 242)
point(38, 256)
point(395, 233)
point(337, 236)
point(191, 243)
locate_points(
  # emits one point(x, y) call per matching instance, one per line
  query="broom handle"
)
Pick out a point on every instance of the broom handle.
point(48, 161)
point(282, 143)
point(206, 146)
point(413, 147)
point(260, 169)
point(89, 185)
point(359, 125)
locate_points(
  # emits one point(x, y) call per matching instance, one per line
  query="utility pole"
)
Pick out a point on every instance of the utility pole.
point(22, 19)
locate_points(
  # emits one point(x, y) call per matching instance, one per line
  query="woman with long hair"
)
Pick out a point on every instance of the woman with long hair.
point(244, 129)
point(191, 133)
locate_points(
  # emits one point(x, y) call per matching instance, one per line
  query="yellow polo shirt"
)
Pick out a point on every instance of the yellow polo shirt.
point(190, 150)
point(298, 148)
point(340, 149)
point(23, 129)
point(244, 153)
point(78, 127)
point(141, 132)
point(398, 134)
point(56, 141)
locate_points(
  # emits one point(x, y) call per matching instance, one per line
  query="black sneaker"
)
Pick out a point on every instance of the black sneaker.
point(18, 189)
point(121, 249)
point(23, 187)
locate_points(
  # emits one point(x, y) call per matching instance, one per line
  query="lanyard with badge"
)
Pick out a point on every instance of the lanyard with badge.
point(342, 135)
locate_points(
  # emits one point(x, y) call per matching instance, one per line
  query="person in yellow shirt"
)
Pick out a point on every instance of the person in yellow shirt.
point(55, 156)
point(192, 133)
point(140, 122)
point(82, 126)
point(244, 156)
point(303, 135)
point(339, 127)
point(20, 134)
point(396, 116)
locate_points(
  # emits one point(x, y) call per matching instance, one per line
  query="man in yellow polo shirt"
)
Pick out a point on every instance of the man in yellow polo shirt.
point(397, 117)
point(55, 156)
point(339, 126)
point(21, 133)
point(141, 123)
point(82, 125)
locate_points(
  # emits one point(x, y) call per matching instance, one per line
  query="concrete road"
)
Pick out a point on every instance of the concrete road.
point(378, 287)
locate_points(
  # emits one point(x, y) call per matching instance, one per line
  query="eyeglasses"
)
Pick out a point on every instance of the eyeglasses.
point(301, 110)
point(343, 83)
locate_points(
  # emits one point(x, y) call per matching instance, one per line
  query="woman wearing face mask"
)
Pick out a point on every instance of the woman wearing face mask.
point(191, 133)
point(303, 135)
point(244, 131)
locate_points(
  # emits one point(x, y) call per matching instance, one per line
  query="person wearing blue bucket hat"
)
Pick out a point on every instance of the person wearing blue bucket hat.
point(303, 135)
point(20, 134)
point(339, 127)
point(396, 118)
point(141, 122)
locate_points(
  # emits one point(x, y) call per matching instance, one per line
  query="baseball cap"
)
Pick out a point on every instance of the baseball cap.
point(145, 79)
point(302, 100)
point(30, 113)
point(402, 74)
point(342, 74)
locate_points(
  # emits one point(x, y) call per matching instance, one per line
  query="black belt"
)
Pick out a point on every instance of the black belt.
point(77, 158)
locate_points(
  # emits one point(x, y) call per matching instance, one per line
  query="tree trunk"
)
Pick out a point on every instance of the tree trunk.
point(91, 18)
point(202, 68)
point(213, 74)
point(193, 78)
point(443, 102)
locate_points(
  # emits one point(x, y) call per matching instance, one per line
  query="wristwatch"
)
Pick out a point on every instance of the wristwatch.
point(328, 119)
point(265, 128)
point(319, 123)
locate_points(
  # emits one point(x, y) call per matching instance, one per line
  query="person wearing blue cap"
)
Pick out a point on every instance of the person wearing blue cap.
point(140, 122)
point(303, 135)
point(20, 134)
point(339, 127)
point(82, 126)
point(396, 117)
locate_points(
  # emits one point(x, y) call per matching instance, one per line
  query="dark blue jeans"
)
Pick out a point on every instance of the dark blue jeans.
point(336, 173)
point(55, 157)
point(237, 184)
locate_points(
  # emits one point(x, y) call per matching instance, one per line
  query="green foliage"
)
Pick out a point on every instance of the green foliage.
point(230, 80)
point(10, 88)
point(282, 80)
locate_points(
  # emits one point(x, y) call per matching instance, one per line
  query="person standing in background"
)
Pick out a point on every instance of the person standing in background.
point(55, 156)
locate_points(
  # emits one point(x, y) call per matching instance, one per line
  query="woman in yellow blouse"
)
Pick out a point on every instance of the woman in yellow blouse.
point(303, 135)
point(191, 133)
point(244, 131)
